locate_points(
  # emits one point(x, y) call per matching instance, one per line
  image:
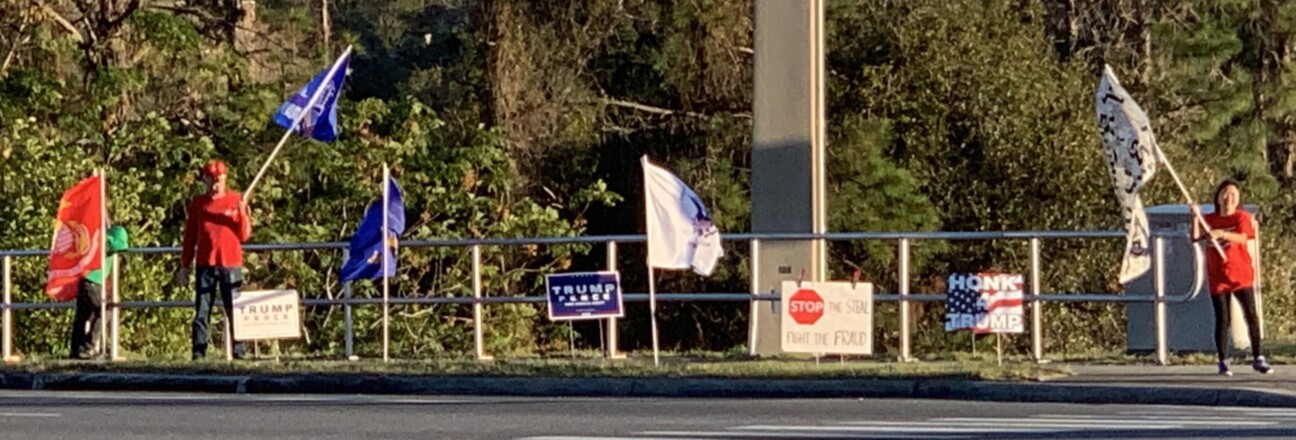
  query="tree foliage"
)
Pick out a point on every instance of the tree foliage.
point(520, 118)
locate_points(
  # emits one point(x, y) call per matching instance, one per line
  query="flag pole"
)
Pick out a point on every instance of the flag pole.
point(247, 195)
point(103, 260)
point(383, 243)
point(310, 104)
point(652, 307)
point(1188, 197)
point(652, 278)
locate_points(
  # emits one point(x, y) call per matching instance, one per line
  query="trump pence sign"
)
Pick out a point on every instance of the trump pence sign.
point(267, 314)
point(827, 318)
point(584, 295)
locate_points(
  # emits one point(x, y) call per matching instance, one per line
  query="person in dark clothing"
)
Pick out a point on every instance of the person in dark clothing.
point(89, 300)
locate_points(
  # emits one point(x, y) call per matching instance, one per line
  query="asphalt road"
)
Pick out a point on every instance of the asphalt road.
point(69, 415)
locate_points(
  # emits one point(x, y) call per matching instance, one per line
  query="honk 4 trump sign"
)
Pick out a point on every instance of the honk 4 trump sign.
point(984, 303)
point(267, 314)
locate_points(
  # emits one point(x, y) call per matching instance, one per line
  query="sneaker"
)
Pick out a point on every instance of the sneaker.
point(84, 354)
point(1261, 366)
point(1224, 370)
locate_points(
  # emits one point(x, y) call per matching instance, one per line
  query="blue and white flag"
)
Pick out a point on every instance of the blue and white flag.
point(320, 96)
point(680, 233)
point(369, 245)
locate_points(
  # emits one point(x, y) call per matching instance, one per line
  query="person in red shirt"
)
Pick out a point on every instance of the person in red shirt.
point(1232, 276)
point(218, 223)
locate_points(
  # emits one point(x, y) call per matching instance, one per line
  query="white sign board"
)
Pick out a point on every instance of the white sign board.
point(827, 318)
point(267, 314)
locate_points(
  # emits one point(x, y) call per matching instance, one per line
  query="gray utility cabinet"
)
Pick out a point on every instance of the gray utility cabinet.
point(1189, 325)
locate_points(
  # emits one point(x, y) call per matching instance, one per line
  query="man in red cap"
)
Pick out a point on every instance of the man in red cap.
point(218, 223)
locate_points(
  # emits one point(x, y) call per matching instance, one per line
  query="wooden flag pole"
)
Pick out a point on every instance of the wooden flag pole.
point(247, 195)
point(1188, 197)
point(310, 104)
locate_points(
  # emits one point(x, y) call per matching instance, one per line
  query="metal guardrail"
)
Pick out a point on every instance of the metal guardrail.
point(1035, 297)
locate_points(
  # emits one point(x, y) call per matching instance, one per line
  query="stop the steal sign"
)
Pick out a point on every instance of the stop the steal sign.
point(827, 318)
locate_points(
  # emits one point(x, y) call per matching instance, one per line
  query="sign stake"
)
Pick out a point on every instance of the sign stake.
point(999, 343)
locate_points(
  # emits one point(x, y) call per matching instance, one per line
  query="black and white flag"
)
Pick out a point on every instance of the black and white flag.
point(1131, 161)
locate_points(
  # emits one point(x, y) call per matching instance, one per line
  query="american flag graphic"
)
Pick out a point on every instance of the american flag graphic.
point(984, 303)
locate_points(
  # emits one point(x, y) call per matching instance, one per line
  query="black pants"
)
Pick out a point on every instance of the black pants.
point(1246, 298)
point(209, 280)
point(85, 324)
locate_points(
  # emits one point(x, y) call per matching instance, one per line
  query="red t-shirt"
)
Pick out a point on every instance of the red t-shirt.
point(215, 231)
point(1237, 272)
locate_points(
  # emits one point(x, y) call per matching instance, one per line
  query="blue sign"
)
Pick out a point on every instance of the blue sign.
point(584, 295)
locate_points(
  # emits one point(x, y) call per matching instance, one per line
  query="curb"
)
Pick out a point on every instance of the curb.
point(923, 388)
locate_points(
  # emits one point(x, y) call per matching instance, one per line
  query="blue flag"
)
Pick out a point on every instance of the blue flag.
point(321, 121)
point(368, 246)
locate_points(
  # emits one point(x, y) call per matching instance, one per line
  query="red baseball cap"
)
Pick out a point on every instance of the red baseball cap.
point(214, 168)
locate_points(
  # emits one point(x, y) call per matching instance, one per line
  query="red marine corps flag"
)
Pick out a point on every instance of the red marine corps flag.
point(76, 249)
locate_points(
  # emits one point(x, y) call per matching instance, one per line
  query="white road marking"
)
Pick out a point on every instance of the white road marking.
point(138, 397)
point(1159, 415)
point(1178, 417)
point(991, 426)
point(569, 437)
point(897, 428)
point(963, 428)
point(832, 435)
point(1255, 411)
point(15, 414)
point(1123, 424)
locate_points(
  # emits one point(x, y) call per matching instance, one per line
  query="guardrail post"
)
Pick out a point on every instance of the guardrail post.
point(1158, 263)
point(753, 312)
point(477, 304)
point(8, 308)
point(349, 333)
point(1037, 306)
point(115, 353)
point(904, 300)
point(612, 344)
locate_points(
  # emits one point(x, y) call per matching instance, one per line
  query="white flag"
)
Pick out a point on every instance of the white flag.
point(1131, 162)
point(680, 233)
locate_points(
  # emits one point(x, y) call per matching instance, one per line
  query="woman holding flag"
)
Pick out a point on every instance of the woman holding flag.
point(1233, 277)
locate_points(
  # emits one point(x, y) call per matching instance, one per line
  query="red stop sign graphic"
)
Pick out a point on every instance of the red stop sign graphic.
point(805, 306)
